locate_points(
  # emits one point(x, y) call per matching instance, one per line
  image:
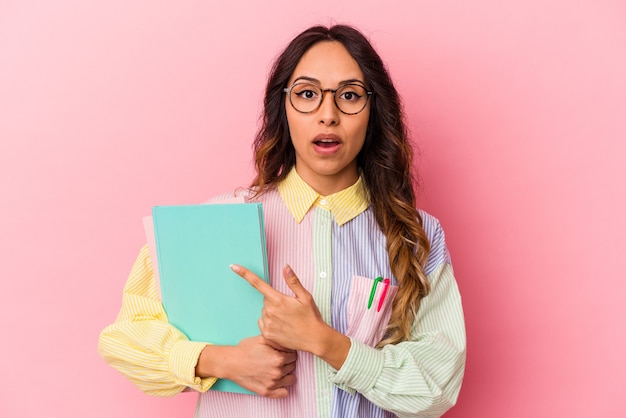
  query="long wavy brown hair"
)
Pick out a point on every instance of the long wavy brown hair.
point(385, 162)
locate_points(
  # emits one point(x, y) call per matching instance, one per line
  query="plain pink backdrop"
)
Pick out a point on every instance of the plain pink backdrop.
point(518, 107)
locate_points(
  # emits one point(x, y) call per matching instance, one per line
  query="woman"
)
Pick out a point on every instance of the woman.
point(334, 176)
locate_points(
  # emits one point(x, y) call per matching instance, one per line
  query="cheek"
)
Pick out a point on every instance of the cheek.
point(291, 124)
point(296, 124)
point(360, 129)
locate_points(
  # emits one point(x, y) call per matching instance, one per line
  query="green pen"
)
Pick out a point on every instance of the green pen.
point(373, 292)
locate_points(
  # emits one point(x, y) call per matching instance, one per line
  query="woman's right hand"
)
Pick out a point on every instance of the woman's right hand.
point(254, 363)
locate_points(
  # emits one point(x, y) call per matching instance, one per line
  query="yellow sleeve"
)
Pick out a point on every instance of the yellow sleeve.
point(143, 346)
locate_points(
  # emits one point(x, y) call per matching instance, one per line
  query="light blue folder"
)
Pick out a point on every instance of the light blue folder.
point(202, 296)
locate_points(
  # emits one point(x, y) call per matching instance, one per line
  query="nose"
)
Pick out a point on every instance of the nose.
point(328, 113)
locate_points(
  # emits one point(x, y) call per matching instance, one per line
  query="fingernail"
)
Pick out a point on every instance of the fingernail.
point(289, 270)
point(235, 268)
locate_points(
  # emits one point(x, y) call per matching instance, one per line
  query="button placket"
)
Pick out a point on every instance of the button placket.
point(322, 253)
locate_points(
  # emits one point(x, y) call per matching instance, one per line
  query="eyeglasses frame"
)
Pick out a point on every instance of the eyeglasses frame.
point(333, 91)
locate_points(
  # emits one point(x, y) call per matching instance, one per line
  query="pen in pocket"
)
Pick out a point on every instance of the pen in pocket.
point(382, 295)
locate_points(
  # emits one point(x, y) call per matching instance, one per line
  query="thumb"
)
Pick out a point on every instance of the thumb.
point(293, 282)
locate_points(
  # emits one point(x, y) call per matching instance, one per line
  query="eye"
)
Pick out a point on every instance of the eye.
point(350, 96)
point(305, 92)
point(351, 93)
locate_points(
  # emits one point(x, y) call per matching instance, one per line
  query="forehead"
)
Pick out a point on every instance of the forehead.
point(329, 62)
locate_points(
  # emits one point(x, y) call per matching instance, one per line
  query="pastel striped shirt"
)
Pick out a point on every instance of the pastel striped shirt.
point(336, 248)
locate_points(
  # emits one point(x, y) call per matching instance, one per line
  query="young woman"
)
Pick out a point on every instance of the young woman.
point(334, 176)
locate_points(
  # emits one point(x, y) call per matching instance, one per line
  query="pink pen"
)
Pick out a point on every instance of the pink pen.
point(382, 296)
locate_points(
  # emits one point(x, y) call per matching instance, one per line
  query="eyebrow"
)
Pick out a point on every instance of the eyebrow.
point(341, 83)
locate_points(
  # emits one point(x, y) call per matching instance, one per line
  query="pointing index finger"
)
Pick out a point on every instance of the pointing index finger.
point(255, 281)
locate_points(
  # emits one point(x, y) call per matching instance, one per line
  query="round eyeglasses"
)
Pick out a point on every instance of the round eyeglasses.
point(349, 98)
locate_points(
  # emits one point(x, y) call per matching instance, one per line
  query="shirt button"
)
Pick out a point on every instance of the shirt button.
point(323, 202)
point(323, 275)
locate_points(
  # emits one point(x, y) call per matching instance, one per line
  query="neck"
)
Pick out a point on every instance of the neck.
point(326, 185)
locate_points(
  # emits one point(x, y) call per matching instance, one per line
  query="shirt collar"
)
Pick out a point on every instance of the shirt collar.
point(344, 205)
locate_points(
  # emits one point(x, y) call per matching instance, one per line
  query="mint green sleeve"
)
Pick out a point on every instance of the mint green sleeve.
point(421, 377)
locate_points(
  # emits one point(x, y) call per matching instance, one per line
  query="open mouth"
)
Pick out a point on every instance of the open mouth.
point(326, 143)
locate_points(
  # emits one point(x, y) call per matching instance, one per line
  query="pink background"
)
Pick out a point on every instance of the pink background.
point(108, 108)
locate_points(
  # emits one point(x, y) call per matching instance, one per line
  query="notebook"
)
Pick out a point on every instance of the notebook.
point(202, 296)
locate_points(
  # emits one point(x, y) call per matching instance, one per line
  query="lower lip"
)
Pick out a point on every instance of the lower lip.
point(327, 148)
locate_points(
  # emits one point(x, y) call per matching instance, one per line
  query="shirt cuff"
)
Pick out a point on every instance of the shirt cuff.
point(183, 361)
point(361, 368)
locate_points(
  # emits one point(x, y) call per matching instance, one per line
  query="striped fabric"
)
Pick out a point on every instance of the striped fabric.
point(335, 247)
point(142, 345)
point(344, 205)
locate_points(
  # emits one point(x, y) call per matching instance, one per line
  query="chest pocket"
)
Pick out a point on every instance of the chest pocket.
point(368, 325)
